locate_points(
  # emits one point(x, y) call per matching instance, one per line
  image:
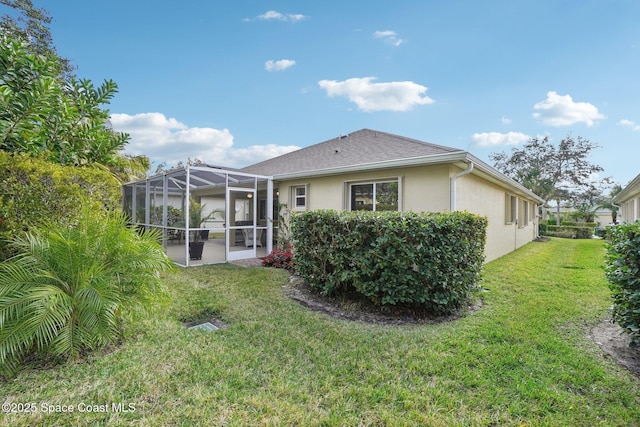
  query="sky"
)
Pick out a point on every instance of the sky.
point(235, 82)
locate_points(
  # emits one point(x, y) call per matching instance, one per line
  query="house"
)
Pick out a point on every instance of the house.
point(364, 170)
point(629, 201)
point(375, 170)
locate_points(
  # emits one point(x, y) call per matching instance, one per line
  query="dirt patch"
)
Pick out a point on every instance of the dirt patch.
point(363, 311)
point(615, 344)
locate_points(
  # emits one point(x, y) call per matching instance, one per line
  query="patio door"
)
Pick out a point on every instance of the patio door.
point(241, 222)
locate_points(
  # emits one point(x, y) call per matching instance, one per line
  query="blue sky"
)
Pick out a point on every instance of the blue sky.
point(234, 82)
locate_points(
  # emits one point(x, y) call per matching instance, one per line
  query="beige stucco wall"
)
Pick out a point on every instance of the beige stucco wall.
point(425, 189)
point(479, 196)
point(630, 204)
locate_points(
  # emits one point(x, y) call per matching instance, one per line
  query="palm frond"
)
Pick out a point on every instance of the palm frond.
point(66, 289)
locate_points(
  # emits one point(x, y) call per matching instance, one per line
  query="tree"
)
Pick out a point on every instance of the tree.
point(554, 172)
point(31, 27)
point(42, 112)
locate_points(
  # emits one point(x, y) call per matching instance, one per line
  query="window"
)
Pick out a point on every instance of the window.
point(299, 195)
point(511, 208)
point(374, 196)
point(523, 214)
point(532, 215)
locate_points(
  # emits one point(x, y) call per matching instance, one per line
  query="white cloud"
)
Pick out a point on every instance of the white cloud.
point(630, 124)
point(168, 140)
point(505, 120)
point(495, 139)
point(389, 37)
point(560, 110)
point(273, 15)
point(280, 65)
point(370, 96)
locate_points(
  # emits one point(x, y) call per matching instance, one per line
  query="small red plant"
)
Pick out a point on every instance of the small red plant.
point(280, 257)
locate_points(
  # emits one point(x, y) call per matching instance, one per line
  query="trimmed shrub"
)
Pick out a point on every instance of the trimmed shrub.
point(623, 273)
point(33, 191)
point(578, 224)
point(429, 260)
point(567, 232)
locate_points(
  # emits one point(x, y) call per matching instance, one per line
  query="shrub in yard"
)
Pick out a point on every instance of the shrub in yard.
point(623, 273)
point(566, 231)
point(34, 189)
point(69, 286)
point(280, 257)
point(430, 260)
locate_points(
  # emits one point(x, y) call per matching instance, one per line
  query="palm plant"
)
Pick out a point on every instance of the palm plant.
point(197, 217)
point(69, 287)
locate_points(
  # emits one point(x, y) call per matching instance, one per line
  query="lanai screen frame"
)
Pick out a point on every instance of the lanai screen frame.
point(147, 202)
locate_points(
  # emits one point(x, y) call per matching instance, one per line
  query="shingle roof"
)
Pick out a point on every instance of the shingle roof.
point(362, 147)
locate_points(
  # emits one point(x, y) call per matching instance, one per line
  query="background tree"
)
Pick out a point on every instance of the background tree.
point(44, 113)
point(30, 25)
point(554, 172)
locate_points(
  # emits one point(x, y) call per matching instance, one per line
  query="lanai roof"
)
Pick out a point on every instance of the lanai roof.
point(365, 146)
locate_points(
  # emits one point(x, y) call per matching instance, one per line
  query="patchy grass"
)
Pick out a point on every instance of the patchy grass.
point(522, 359)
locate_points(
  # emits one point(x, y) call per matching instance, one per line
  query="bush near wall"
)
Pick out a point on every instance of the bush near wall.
point(429, 260)
point(623, 273)
point(578, 224)
point(34, 191)
point(552, 221)
point(566, 231)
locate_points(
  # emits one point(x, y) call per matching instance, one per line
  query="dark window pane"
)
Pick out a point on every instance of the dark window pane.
point(362, 197)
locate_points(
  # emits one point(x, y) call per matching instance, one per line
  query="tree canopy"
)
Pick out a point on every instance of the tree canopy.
point(61, 118)
point(30, 25)
point(559, 172)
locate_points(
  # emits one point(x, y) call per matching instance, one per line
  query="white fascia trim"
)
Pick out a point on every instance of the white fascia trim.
point(628, 191)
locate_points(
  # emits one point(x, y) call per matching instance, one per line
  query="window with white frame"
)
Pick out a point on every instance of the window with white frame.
point(374, 196)
point(299, 197)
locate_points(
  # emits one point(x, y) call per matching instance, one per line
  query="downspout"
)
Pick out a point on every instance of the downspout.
point(454, 178)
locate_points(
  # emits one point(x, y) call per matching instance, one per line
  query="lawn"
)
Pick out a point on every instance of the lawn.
point(521, 359)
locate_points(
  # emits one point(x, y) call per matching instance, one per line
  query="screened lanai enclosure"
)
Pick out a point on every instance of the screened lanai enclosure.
point(205, 215)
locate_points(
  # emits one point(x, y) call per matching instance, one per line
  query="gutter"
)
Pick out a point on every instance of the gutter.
point(454, 178)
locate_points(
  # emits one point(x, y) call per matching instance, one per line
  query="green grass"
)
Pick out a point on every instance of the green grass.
point(522, 359)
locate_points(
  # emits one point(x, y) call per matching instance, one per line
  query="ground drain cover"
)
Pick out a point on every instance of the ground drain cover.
point(206, 326)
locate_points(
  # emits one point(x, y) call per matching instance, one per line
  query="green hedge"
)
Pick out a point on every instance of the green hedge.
point(565, 231)
point(623, 273)
point(33, 191)
point(578, 224)
point(429, 260)
point(552, 221)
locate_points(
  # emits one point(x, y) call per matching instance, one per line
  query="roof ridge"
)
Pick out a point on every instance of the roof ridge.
point(358, 147)
point(413, 140)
